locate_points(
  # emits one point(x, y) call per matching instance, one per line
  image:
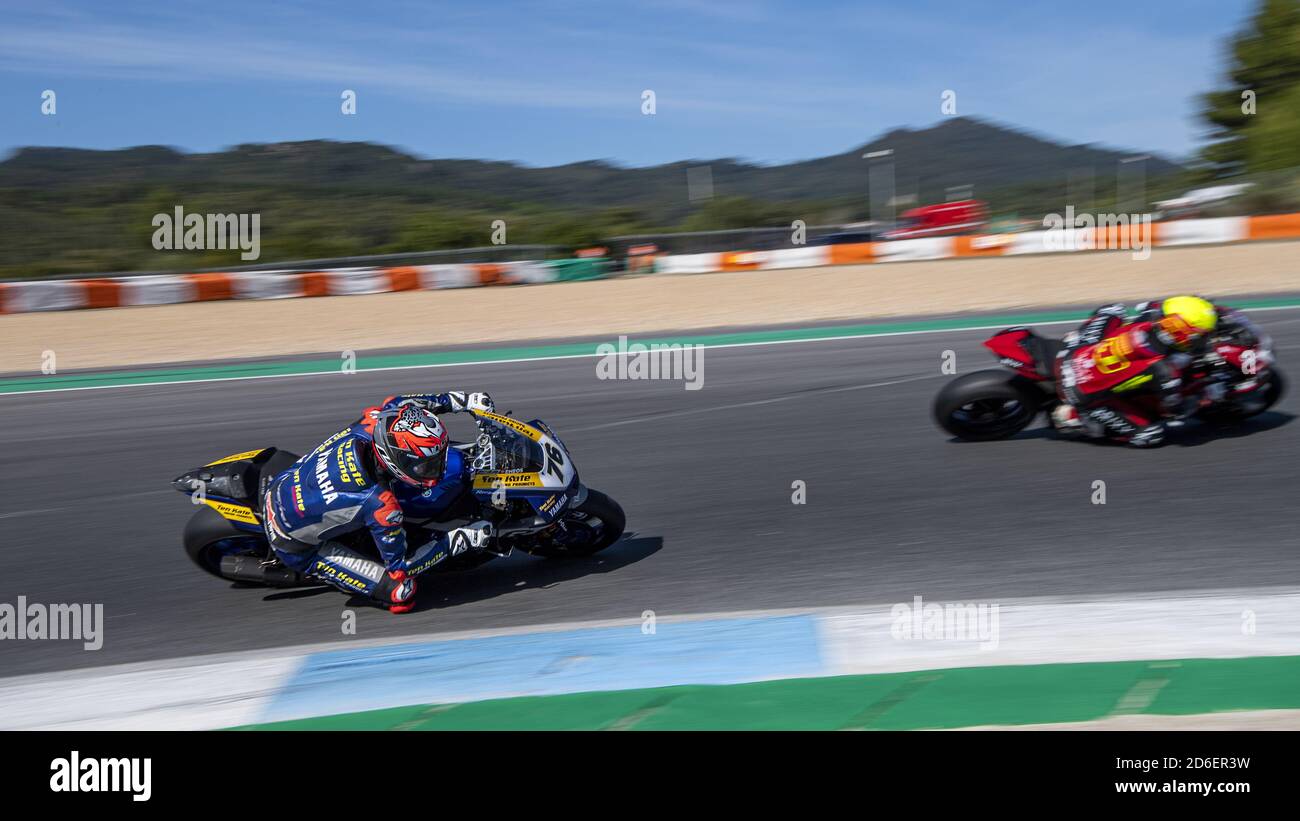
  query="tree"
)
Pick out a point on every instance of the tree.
point(1256, 119)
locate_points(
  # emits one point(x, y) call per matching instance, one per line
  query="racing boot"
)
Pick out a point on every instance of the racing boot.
point(396, 591)
point(1065, 418)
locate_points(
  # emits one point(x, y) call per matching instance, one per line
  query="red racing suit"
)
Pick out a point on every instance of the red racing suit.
point(1124, 379)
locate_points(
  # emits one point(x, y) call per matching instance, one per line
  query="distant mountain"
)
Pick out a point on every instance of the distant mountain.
point(955, 152)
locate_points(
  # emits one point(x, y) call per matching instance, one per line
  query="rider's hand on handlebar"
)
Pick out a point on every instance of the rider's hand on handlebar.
point(480, 402)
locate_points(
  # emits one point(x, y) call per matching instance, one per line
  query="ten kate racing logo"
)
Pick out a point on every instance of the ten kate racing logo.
point(340, 575)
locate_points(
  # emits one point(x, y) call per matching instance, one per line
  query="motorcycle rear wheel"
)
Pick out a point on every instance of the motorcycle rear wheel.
point(987, 405)
point(208, 537)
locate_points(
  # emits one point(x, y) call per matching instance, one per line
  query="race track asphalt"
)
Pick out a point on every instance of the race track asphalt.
point(894, 508)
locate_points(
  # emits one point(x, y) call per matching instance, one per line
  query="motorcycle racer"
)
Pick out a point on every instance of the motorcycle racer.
point(398, 453)
point(1124, 380)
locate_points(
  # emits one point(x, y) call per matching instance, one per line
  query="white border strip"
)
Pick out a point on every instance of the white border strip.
point(208, 692)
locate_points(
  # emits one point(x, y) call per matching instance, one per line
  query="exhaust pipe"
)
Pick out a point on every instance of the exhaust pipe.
point(250, 569)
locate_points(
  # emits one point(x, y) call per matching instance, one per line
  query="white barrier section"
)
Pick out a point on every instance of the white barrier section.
point(52, 295)
point(808, 256)
point(905, 250)
point(1030, 242)
point(352, 281)
point(688, 264)
point(159, 290)
point(433, 277)
point(1199, 232)
point(527, 272)
point(266, 285)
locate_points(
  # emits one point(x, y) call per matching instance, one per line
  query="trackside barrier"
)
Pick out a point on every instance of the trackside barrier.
point(110, 292)
point(1163, 234)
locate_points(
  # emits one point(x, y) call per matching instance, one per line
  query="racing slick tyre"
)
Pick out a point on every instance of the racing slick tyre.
point(586, 529)
point(987, 405)
point(1234, 414)
point(209, 538)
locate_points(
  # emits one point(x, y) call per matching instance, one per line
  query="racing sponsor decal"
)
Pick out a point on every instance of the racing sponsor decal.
point(488, 481)
point(513, 424)
point(1112, 420)
point(235, 513)
point(346, 461)
point(343, 566)
point(555, 501)
point(236, 457)
point(323, 479)
point(328, 443)
point(424, 564)
point(339, 576)
point(1111, 355)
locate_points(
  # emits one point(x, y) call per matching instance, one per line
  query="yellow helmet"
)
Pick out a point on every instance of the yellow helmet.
point(1185, 319)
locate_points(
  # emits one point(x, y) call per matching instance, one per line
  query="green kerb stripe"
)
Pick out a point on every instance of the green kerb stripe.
point(416, 360)
point(932, 699)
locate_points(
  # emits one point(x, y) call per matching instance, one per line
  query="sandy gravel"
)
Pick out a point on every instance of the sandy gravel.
point(632, 305)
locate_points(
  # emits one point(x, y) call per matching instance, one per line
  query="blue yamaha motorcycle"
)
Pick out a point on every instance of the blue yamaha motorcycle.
point(524, 482)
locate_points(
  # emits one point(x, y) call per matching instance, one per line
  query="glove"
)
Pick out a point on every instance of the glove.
point(471, 537)
point(460, 401)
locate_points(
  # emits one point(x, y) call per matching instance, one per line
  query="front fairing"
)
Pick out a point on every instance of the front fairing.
point(526, 463)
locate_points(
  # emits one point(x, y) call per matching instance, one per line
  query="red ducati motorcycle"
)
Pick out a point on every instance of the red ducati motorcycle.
point(1234, 379)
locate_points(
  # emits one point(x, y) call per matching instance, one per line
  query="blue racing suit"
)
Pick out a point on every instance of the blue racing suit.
point(339, 487)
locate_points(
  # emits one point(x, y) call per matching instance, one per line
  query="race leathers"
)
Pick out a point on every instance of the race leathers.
point(1124, 379)
point(339, 488)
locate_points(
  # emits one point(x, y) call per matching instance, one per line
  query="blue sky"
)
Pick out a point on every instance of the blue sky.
point(556, 82)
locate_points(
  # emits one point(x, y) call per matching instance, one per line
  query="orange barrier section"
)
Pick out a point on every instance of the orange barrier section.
point(316, 283)
point(3, 288)
point(488, 274)
point(740, 261)
point(100, 293)
point(212, 286)
point(1276, 226)
point(851, 252)
point(403, 279)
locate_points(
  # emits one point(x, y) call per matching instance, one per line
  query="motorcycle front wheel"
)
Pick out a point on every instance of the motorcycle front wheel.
point(585, 529)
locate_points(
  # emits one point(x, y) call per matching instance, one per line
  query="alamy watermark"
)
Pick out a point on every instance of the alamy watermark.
point(180, 231)
point(684, 363)
point(951, 621)
point(58, 622)
point(125, 775)
point(1089, 232)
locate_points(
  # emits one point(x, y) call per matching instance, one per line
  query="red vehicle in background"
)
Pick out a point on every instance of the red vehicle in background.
point(960, 217)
